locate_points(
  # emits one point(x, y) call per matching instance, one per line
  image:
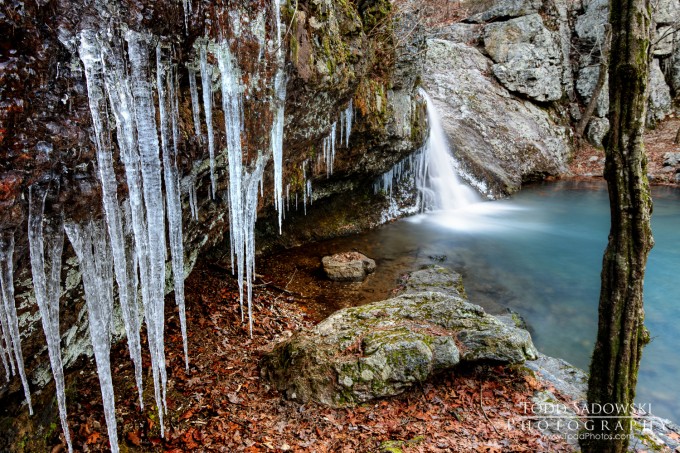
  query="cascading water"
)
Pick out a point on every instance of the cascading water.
point(442, 184)
point(433, 171)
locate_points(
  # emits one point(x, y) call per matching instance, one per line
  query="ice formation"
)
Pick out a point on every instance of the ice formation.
point(206, 86)
point(169, 128)
point(8, 315)
point(90, 54)
point(46, 271)
point(279, 105)
point(90, 242)
point(195, 106)
point(127, 245)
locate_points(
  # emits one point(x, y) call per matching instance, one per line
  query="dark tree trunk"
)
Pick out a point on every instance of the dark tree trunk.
point(621, 333)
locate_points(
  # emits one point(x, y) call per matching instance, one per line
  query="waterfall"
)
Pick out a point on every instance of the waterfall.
point(442, 183)
point(431, 170)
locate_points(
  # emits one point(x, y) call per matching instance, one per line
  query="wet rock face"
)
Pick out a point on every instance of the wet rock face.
point(382, 349)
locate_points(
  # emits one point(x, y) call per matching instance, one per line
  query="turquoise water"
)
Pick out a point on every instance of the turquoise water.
point(540, 254)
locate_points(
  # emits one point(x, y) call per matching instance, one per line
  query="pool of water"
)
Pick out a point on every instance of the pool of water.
point(539, 253)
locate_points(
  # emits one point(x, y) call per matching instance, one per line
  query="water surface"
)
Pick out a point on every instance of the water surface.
point(539, 253)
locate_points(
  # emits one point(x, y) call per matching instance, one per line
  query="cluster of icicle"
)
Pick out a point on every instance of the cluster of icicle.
point(128, 246)
point(413, 168)
point(330, 141)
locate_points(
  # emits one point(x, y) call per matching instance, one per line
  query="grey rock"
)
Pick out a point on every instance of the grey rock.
point(676, 178)
point(381, 349)
point(671, 159)
point(461, 32)
point(348, 266)
point(505, 9)
point(528, 57)
point(667, 12)
point(585, 85)
point(596, 131)
point(590, 25)
point(433, 278)
point(665, 41)
point(500, 140)
point(659, 95)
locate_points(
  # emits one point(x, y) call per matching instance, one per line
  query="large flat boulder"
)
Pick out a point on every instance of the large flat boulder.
point(382, 349)
point(500, 139)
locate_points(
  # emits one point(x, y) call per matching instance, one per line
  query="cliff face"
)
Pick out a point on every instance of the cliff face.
point(329, 73)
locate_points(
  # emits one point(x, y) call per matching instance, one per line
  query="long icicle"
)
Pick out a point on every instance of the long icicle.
point(206, 85)
point(47, 288)
point(149, 150)
point(279, 103)
point(9, 305)
point(90, 242)
point(90, 55)
point(172, 192)
point(195, 106)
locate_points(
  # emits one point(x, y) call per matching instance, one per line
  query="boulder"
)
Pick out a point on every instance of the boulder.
point(596, 131)
point(381, 349)
point(590, 25)
point(585, 84)
point(665, 41)
point(671, 159)
point(348, 266)
point(505, 9)
point(470, 34)
point(667, 12)
point(499, 139)
point(433, 278)
point(528, 57)
point(659, 95)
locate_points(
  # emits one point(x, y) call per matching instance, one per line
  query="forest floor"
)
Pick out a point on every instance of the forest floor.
point(221, 403)
point(589, 161)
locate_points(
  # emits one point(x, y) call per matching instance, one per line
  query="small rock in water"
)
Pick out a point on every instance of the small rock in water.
point(348, 266)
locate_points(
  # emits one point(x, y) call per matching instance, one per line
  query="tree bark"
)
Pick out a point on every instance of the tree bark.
point(621, 332)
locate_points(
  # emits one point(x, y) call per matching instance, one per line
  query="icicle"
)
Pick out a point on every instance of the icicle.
point(277, 127)
point(13, 341)
point(206, 85)
point(243, 184)
point(172, 190)
point(195, 107)
point(193, 202)
point(90, 54)
point(331, 140)
point(349, 115)
point(287, 197)
point(309, 191)
point(187, 13)
point(6, 345)
point(90, 243)
point(46, 272)
point(155, 216)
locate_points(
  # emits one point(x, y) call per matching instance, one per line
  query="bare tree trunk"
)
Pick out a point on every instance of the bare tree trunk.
point(601, 78)
point(621, 333)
